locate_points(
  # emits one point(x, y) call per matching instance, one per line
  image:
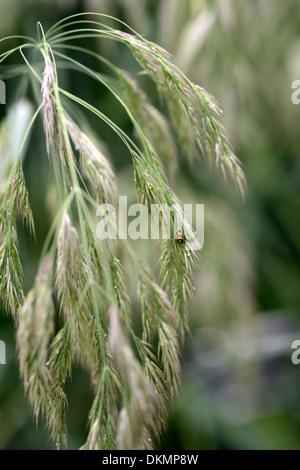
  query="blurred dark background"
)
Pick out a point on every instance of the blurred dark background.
point(240, 389)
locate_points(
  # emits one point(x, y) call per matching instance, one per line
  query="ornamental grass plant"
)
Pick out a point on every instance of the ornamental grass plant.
point(78, 309)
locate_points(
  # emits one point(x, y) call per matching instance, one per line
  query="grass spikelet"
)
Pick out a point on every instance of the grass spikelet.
point(14, 203)
point(11, 273)
point(15, 199)
point(104, 412)
point(35, 327)
point(160, 317)
point(73, 277)
point(136, 413)
point(120, 290)
point(95, 165)
point(59, 366)
point(49, 105)
point(54, 119)
point(151, 123)
point(177, 266)
point(149, 189)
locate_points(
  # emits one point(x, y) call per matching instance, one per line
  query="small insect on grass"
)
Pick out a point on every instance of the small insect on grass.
point(179, 237)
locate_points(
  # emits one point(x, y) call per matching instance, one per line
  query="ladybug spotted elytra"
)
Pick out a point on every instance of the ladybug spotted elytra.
point(179, 237)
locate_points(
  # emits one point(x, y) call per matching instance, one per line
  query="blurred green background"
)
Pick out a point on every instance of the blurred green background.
point(240, 389)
